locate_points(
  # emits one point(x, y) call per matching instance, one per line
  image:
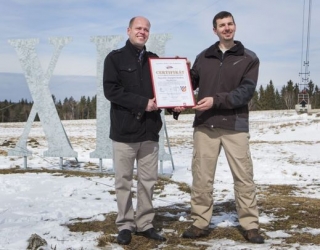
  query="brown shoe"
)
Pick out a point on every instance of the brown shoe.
point(195, 232)
point(253, 236)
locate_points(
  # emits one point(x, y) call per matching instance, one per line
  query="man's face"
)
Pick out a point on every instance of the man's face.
point(226, 29)
point(139, 32)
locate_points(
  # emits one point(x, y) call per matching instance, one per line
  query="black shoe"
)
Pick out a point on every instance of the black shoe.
point(195, 232)
point(253, 236)
point(124, 237)
point(151, 234)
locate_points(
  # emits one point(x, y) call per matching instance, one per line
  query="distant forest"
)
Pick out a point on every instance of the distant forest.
point(267, 98)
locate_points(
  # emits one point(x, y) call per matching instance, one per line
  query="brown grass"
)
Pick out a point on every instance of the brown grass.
point(292, 214)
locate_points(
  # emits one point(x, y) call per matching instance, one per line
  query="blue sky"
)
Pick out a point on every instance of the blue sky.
point(271, 28)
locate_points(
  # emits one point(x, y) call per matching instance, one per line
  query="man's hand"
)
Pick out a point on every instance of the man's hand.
point(179, 109)
point(204, 104)
point(152, 106)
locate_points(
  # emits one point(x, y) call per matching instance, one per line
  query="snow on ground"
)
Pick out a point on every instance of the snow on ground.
point(285, 149)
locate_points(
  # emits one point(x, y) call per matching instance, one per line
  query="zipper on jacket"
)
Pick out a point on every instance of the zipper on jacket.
point(140, 66)
point(220, 66)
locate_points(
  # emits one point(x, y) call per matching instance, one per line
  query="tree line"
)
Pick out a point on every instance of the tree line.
point(69, 109)
point(268, 98)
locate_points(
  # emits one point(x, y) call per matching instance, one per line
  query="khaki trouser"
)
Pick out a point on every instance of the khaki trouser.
point(207, 146)
point(146, 156)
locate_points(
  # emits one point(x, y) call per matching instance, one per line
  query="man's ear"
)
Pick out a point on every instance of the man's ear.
point(214, 30)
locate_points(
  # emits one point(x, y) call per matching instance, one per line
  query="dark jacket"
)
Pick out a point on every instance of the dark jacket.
point(231, 79)
point(127, 85)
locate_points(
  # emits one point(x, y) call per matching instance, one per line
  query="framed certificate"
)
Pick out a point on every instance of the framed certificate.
point(171, 82)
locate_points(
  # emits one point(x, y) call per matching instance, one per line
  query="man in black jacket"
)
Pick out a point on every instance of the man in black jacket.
point(226, 75)
point(135, 125)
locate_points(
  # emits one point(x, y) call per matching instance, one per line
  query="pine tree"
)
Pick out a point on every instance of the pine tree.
point(82, 107)
point(262, 99)
point(270, 97)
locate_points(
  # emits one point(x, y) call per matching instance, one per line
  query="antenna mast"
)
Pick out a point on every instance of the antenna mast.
point(303, 96)
point(305, 75)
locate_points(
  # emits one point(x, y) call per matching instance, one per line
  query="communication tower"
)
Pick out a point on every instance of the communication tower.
point(303, 104)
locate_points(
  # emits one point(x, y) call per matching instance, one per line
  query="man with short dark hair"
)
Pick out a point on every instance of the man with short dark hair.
point(226, 75)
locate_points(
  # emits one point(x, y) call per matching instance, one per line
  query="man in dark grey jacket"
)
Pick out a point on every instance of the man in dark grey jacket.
point(135, 125)
point(226, 75)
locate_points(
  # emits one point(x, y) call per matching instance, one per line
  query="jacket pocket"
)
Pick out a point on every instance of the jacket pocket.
point(128, 75)
point(125, 122)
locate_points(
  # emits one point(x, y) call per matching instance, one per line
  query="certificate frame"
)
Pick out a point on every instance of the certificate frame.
point(171, 82)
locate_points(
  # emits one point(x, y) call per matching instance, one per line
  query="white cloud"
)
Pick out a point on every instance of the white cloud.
point(272, 29)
